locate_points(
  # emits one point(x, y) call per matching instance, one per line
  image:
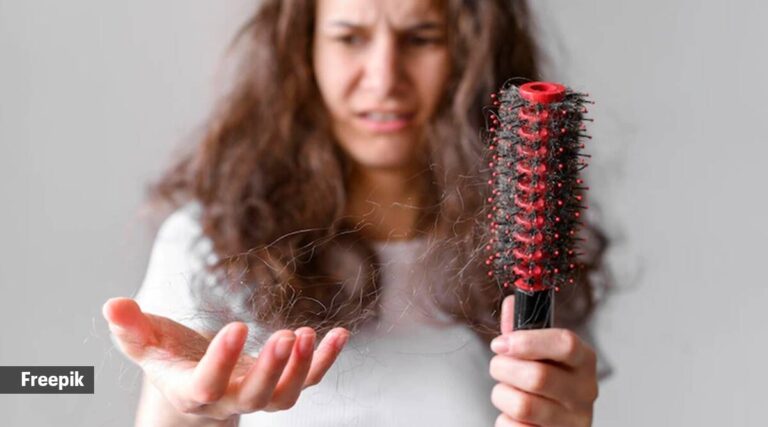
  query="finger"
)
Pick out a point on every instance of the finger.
point(555, 344)
point(508, 314)
point(256, 389)
point(504, 421)
point(529, 408)
point(131, 327)
point(291, 382)
point(210, 378)
point(542, 379)
point(326, 354)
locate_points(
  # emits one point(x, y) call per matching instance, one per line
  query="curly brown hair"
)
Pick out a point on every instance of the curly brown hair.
point(272, 182)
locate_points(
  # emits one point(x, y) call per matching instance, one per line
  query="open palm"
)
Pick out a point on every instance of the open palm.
point(210, 376)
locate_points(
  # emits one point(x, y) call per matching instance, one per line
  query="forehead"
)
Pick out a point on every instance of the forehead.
point(370, 12)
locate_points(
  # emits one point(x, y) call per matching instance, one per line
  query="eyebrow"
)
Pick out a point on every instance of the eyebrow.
point(426, 25)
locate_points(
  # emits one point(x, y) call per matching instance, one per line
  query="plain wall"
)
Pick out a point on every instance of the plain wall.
point(95, 95)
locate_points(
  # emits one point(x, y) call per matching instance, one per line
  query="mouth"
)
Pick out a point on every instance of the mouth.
point(385, 121)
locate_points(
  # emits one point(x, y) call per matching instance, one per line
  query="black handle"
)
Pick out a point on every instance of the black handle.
point(534, 310)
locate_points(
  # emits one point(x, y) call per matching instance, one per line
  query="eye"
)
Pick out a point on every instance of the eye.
point(417, 40)
point(350, 39)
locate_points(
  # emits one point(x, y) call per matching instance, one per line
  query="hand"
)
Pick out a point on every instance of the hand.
point(547, 377)
point(212, 378)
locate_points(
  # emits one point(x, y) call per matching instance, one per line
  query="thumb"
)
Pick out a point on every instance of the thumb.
point(508, 314)
point(130, 326)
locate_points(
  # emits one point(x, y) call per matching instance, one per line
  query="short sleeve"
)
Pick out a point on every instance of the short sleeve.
point(176, 261)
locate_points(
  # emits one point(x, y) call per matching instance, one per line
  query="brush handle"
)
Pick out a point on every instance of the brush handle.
point(534, 310)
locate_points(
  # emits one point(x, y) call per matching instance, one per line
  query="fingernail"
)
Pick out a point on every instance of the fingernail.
point(232, 339)
point(283, 347)
point(341, 340)
point(499, 345)
point(305, 344)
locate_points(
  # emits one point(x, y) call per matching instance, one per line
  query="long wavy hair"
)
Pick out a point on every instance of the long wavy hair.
point(272, 183)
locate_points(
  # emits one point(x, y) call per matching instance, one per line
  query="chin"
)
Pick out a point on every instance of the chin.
point(383, 162)
point(392, 154)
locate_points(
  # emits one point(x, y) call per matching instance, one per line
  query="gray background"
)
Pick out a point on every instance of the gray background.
point(94, 96)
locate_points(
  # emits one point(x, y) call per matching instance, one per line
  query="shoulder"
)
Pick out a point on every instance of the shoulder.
point(182, 224)
point(177, 261)
point(179, 286)
point(181, 238)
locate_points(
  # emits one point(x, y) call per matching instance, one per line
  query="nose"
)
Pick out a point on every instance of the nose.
point(383, 68)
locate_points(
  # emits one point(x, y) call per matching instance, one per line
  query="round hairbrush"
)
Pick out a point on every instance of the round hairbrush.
point(534, 146)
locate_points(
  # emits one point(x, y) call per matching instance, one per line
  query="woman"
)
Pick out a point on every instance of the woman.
point(336, 193)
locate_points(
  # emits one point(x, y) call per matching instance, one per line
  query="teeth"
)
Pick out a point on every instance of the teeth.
point(383, 117)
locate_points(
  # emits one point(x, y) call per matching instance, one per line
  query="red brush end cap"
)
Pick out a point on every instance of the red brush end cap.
point(542, 92)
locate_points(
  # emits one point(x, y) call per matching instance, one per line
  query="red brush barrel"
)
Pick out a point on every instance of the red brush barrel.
point(535, 200)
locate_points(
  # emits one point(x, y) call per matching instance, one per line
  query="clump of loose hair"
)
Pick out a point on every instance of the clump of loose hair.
point(272, 183)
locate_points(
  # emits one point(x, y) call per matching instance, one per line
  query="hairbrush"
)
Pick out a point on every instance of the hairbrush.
point(534, 146)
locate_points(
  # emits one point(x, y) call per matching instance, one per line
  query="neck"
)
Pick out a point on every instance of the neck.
point(385, 203)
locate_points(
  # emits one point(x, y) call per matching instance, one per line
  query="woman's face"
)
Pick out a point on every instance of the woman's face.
point(381, 66)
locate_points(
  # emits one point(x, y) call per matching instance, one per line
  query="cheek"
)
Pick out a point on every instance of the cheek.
point(323, 71)
point(432, 77)
point(332, 75)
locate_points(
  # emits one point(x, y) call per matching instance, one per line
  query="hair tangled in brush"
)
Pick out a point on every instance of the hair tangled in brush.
point(535, 156)
point(271, 180)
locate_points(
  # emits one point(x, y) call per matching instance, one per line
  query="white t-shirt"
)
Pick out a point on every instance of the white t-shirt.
point(401, 371)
